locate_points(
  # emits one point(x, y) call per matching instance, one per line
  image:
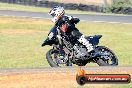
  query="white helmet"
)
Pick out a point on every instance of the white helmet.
point(56, 13)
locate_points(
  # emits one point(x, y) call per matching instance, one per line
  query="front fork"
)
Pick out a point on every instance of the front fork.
point(67, 60)
point(59, 36)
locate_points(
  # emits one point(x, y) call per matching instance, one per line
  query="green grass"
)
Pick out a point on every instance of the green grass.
point(22, 49)
point(21, 40)
point(6, 6)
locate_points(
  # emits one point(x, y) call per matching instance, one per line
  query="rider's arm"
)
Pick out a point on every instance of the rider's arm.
point(74, 19)
point(68, 20)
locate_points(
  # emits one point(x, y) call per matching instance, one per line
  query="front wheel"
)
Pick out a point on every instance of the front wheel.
point(51, 57)
point(54, 59)
point(107, 57)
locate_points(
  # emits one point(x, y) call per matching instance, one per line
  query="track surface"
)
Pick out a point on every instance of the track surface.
point(88, 17)
point(55, 77)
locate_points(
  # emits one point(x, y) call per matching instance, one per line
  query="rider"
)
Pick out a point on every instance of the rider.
point(67, 25)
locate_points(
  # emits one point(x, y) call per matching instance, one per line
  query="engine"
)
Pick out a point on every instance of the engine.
point(68, 44)
point(80, 52)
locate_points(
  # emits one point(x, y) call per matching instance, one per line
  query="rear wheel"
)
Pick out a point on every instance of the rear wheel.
point(107, 58)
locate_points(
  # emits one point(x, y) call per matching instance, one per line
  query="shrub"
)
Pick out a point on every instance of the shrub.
point(120, 6)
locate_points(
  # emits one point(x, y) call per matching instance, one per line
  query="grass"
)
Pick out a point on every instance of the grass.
point(20, 49)
point(21, 40)
point(6, 6)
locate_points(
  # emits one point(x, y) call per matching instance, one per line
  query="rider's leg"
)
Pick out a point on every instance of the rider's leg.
point(81, 38)
point(85, 42)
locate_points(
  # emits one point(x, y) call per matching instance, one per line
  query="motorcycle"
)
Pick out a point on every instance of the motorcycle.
point(76, 53)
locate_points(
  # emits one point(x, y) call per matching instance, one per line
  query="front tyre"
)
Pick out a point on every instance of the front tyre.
point(107, 57)
point(54, 59)
point(51, 59)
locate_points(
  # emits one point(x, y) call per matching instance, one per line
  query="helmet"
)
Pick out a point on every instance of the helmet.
point(56, 13)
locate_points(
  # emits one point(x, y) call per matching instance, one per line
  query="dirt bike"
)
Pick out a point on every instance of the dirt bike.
point(76, 53)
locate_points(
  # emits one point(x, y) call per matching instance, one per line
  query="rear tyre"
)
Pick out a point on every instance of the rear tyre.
point(109, 59)
point(100, 62)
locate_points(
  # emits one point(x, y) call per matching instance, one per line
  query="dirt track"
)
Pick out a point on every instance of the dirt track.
point(54, 77)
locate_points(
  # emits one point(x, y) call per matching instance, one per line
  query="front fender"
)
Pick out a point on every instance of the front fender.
point(49, 42)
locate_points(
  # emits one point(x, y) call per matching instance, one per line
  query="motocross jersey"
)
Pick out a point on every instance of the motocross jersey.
point(67, 23)
point(67, 26)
